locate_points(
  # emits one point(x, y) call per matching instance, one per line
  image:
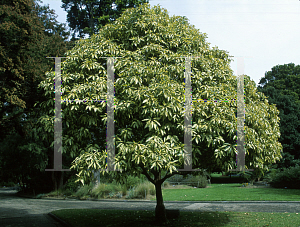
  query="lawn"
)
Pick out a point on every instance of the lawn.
point(215, 192)
point(230, 192)
point(117, 218)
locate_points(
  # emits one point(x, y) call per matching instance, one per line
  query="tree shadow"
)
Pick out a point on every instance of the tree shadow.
point(186, 218)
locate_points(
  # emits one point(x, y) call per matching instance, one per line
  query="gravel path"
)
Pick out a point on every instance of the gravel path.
point(18, 211)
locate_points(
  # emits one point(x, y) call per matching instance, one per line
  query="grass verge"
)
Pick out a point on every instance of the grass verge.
point(230, 192)
point(121, 218)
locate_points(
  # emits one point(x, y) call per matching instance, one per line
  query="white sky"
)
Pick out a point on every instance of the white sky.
point(266, 32)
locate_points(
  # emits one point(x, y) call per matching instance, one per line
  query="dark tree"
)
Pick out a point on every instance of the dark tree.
point(282, 87)
point(88, 16)
point(28, 34)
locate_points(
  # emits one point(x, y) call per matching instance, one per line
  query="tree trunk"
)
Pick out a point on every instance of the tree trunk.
point(57, 179)
point(160, 211)
point(91, 19)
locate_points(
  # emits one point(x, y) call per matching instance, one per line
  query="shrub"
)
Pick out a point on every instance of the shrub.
point(166, 184)
point(7, 184)
point(99, 191)
point(196, 181)
point(123, 189)
point(289, 178)
point(141, 188)
point(119, 195)
point(67, 192)
point(132, 181)
point(226, 179)
point(71, 185)
point(103, 190)
point(84, 191)
point(270, 175)
point(176, 178)
point(111, 195)
point(58, 192)
point(131, 194)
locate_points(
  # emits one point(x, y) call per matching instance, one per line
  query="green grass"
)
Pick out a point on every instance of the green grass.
point(231, 192)
point(216, 192)
point(119, 218)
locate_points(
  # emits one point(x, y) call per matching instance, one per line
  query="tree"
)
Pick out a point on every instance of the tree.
point(284, 78)
point(281, 86)
point(25, 43)
point(29, 34)
point(149, 102)
point(86, 17)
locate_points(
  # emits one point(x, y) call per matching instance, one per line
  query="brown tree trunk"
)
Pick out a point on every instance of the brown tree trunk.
point(160, 211)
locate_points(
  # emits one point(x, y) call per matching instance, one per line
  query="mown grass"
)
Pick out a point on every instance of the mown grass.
point(123, 218)
point(215, 192)
point(230, 192)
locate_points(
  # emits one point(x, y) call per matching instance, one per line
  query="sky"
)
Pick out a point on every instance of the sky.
point(265, 32)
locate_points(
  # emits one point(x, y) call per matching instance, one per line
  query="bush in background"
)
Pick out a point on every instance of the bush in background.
point(7, 184)
point(166, 184)
point(85, 191)
point(132, 181)
point(175, 178)
point(71, 185)
point(131, 194)
point(289, 178)
point(145, 186)
point(138, 192)
point(270, 175)
point(107, 190)
point(196, 181)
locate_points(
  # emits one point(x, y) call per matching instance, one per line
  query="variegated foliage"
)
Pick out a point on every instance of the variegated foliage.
point(149, 100)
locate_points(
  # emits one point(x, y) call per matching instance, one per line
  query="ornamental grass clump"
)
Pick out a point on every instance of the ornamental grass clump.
point(144, 189)
point(106, 190)
point(84, 191)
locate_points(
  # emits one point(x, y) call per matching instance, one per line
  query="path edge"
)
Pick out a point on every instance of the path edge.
point(62, 222)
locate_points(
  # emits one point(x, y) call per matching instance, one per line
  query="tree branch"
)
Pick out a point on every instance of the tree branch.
point(146, 174)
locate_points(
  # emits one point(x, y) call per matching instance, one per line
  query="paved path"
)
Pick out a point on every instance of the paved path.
point(17, 211)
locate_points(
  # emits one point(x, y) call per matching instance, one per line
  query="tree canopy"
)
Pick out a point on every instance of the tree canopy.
point(86, 17)
point(149, 101)
point(29, 34)
point(282, 87)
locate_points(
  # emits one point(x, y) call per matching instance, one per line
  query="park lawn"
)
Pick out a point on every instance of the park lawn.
point(122, 218)
point(230, 192)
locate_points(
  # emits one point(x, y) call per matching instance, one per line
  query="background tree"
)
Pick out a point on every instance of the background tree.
point(282, 87)
point(24, 45)
point(29, 34)
point(87, 16)
point(149, 102)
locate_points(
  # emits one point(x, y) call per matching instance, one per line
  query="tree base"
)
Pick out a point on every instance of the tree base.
point(160, 214)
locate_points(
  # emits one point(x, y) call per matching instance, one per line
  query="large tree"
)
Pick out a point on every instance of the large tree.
point(87, 16)
point(29, 34)
point(149, 102)
point(282, 87)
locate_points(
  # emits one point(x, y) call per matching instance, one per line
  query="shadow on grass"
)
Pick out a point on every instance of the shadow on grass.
point(121, 218)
